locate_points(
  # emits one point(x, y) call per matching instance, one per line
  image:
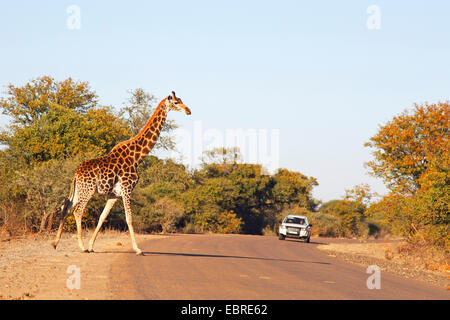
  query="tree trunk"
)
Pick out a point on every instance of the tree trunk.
point(44, 221)
point(50, 219)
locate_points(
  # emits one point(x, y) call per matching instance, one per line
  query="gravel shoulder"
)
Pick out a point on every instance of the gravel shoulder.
point(387, 256)
point(31, 269)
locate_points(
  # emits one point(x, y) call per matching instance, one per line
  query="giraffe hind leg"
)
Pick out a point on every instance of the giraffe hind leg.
point(78, 214)
point(109, 204)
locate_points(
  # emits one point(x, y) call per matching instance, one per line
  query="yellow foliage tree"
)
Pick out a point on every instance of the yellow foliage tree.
point(412, 155)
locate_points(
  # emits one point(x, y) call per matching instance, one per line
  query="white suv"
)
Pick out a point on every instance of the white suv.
point(295, 227)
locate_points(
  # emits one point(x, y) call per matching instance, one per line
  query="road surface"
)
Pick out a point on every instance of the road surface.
point(250, 267)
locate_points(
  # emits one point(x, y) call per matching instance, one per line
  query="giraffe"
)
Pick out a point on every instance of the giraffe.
point(115, 174)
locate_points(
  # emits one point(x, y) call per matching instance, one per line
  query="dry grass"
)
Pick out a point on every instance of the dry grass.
point(414, 256)
point(413, 261)
point(424, 256)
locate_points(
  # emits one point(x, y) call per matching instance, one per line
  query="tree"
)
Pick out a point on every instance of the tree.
point(156, 200)
point(412, 155)
point(43, 189)
point(349, 214)
point(62, 132)
point(165, 213)
point(405, 146)
point(294, 187)
point(28, 103)
point(225, 184)
point(222, 156)
point(360, 194)
point(53, 119)
point(228, 222)
point(241, 188)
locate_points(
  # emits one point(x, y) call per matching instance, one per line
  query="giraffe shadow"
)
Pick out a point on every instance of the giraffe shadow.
point(199, 255)
point(220, 256)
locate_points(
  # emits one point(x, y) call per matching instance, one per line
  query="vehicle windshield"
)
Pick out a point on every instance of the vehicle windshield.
point(294, 220)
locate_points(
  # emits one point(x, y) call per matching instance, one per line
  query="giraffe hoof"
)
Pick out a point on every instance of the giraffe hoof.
point(139, 253)
point(91, 250)
point(85, 250)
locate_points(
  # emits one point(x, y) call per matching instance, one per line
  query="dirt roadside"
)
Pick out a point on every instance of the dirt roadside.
point(388, 256)
point(31, 269)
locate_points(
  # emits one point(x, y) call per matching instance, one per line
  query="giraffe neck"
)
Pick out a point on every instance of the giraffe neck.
point(146, 139)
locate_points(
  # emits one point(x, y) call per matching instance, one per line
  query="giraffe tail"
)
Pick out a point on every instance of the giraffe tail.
point(65, 207)
point(72, 189)
point(68, 202)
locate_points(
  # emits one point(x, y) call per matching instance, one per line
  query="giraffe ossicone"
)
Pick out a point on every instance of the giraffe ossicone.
point(115, 174)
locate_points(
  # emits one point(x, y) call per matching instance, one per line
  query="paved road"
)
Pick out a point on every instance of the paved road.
point(249, 267)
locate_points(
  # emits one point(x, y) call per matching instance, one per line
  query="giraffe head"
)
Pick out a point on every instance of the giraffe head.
point(175, 103)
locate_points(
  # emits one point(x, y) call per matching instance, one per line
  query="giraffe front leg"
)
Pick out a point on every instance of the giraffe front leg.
point(127, 206)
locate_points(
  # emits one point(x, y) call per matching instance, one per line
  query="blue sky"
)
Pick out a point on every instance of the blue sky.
point(312, 69)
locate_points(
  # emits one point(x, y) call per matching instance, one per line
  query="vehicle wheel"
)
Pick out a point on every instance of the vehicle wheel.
point(281, 237)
